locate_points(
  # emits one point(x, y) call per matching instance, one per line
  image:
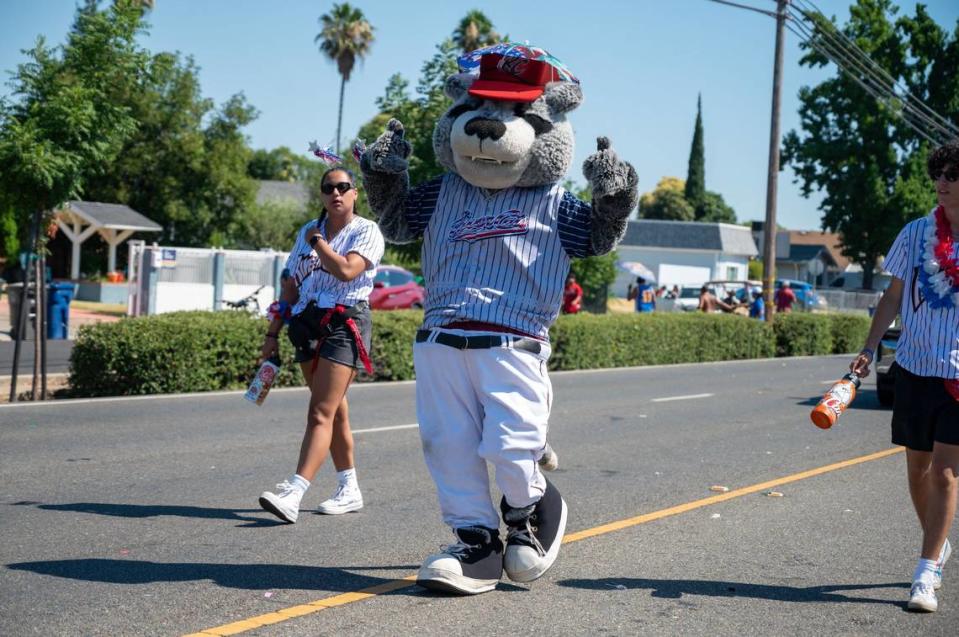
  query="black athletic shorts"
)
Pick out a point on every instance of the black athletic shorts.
point(339, 345)
point(924, 412)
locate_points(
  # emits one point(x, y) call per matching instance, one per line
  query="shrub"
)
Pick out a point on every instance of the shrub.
point(583, 341)
point(849, 332)
point(801, 334)
point(204, 351)
point(176, 352)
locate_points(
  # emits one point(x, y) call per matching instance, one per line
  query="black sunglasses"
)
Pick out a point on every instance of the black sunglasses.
point(343, 187)
point(951, 175)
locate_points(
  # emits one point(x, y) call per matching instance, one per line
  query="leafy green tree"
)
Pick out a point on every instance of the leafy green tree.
point(344, 38)
point(666, 203)
point(272, 224)
point(475, 31)
point(715, 209)
point(186, 165)
point(66, 124)
point(867, 163)
point(695, 191)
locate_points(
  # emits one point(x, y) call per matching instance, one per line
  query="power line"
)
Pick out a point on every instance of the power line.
point(810, 25)
point(845, 54)
point(855, 68)
point(906, 115)
point(771, 14)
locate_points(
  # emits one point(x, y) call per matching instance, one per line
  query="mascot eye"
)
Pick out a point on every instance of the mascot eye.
point(465, 107)
point(540, 125)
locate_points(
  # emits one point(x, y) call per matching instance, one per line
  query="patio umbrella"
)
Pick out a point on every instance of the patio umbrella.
point(636, 269)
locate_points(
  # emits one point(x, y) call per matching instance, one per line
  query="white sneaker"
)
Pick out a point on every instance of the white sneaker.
point(943, 558)
point(285, 504)
point(347, 498)
point(549, 461)
point(922, 597)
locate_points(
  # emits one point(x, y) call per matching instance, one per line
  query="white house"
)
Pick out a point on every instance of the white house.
point(685, 252)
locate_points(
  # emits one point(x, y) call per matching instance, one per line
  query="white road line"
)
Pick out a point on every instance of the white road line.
point(392, 428)
point(671, 398)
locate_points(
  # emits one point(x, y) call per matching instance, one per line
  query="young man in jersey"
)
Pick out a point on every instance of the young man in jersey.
point(644, 295)
point(925, 292)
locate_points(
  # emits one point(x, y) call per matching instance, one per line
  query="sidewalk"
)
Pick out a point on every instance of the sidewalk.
point(81, 313)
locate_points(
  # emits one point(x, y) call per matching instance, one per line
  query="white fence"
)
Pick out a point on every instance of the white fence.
point(167, 279)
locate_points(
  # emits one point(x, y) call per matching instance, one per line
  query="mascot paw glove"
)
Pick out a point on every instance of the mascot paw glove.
point(606, 173)
point(390, 152)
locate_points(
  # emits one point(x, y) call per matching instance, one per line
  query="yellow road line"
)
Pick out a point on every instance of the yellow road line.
point(285, 614)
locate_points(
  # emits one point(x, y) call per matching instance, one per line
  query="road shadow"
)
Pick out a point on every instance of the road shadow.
point(241, 576)
point(675, 589)
point(866, 400)
point(157, 510)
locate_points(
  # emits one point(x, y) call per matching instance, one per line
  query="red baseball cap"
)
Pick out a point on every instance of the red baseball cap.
point(511, 78)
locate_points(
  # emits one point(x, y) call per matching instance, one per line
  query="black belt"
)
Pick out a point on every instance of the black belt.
point(481, 341)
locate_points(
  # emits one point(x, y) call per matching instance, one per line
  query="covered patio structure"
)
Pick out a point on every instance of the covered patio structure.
point(79, 220)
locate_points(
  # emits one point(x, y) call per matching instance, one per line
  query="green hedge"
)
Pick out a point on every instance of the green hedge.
point(585, 341)
point(204, 351)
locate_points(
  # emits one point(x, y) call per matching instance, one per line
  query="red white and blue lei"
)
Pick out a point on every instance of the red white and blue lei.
point(939, 274)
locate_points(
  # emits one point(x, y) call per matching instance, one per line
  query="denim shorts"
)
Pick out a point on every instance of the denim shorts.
point(339, 344)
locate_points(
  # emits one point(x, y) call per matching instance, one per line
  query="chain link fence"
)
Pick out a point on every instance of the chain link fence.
point(858, 302)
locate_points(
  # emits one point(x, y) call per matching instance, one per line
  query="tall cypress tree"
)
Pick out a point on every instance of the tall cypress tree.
point(696, 176)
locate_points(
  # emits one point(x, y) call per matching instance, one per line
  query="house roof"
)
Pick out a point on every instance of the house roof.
point(800, 253)
point(279, 191)
point(829, 240)
point(690, 235)
point(112, 215)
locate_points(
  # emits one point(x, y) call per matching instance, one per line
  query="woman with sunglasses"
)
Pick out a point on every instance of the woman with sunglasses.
point(924, 262)
point(325, 289)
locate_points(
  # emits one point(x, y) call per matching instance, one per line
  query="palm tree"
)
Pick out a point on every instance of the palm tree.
point(475, 31)
point(345, 37)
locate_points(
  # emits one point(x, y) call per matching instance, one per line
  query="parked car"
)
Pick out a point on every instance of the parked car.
point(740, 289)
point(885, 366)
point(806, 295)
point(396, 289)
point(688, 299)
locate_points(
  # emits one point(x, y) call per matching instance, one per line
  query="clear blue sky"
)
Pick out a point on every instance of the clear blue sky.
point(641, 63)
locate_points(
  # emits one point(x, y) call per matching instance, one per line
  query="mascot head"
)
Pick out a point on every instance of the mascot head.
point(507, 127)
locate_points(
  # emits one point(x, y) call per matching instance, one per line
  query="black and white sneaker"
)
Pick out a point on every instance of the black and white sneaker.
point(534, 535)
point(473, 564)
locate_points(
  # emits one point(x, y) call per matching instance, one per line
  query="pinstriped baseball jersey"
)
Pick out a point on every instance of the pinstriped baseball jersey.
point(929, 343)
point(497, 257)
point(316, 284)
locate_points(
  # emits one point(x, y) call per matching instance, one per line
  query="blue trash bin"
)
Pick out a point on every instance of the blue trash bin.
point(59, 295)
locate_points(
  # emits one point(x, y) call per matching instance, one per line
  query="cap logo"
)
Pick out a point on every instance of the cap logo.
point(515, 66)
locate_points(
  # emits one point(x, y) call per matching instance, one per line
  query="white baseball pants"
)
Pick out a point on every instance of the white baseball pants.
point(479, 405)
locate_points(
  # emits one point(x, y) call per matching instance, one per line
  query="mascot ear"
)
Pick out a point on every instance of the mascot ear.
point(562, 97)
point(457, 85)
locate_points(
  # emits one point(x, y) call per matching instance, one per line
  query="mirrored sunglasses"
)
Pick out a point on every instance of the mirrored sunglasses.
point(343, 187)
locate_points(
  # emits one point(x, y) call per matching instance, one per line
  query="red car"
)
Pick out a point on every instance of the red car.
point(395, 289)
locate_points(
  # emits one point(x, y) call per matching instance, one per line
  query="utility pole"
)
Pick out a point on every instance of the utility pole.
point(769, 227)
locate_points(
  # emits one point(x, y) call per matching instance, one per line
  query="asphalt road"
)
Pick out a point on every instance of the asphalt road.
point(139, 516)
point(58, 357)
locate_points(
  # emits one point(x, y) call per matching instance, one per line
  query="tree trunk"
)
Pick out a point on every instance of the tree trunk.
point(339, 119)
point(37, 326)
point(867, 272)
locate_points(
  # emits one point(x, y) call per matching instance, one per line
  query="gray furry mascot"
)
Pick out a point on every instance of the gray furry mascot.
point(498, 233)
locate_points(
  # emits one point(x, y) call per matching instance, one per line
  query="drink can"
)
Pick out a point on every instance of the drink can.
point(262, 382)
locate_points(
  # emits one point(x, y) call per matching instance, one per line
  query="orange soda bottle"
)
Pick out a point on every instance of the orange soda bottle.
point(825, 414)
